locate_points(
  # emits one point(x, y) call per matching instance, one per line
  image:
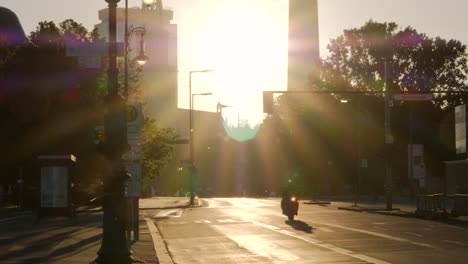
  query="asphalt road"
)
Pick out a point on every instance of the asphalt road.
point(244, 230)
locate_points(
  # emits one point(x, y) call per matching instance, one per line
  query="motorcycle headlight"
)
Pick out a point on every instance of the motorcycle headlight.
point(293, 199)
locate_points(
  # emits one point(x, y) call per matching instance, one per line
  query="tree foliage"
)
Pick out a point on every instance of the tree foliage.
point(157, 150)
point(419, 63)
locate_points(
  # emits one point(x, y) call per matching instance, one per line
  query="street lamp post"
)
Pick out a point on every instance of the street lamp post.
point(114, 247)
point(141, 58)
point(191, 110)
point(191, 96)
point(357, 145)
point(192, 154)
point(221, 106)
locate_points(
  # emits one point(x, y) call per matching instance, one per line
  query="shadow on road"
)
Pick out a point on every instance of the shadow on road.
point(299, 225)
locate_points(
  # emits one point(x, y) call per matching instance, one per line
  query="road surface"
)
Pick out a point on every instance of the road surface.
point(245, 230)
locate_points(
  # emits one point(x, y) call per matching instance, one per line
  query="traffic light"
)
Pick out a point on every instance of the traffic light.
point(99, 134)
point(267, 102)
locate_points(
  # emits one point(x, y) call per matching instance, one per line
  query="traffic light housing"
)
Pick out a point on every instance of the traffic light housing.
point(267, 102)
point(101, 135)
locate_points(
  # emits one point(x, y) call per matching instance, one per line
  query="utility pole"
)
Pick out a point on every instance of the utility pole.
point(388, 139)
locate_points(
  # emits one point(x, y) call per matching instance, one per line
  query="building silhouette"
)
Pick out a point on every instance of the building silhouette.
point(303, 47)
point(218, 158)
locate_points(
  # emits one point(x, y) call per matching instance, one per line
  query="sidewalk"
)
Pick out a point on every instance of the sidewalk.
point(400, 207)
point(76, 240)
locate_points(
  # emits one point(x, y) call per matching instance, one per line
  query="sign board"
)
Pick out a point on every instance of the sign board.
point(364, 163)
point(460, 129)
point(91, 49)
point(135, 152)
point(388, 139)
point(417, 167)
point(134, 114)
point(134, 184)
point(54, 187)
point(413, 97)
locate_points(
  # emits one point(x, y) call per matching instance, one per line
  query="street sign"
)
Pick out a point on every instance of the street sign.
point(134, 183)
point(135, 152)
point(134, 114)
point(413, 97)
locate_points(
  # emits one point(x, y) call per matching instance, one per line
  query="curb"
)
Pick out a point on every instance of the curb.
point(317, 202)
point(186, 205)
point(158, 243)
point(396, 213)
point(355, 209)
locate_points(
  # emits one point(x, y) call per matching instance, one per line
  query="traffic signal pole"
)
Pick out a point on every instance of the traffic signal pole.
point(388, 141)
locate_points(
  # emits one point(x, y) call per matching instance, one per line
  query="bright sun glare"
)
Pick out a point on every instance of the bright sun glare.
point(246, 46)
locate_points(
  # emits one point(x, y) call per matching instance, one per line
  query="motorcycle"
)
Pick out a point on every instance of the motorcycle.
point(290, 206)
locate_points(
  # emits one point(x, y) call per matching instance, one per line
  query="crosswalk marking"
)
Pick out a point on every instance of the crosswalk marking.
point(222, 221)
point(203, 222)
point(236, 203)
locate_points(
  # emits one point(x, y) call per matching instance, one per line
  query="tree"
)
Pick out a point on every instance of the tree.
point(157, 150)
point(419, 63)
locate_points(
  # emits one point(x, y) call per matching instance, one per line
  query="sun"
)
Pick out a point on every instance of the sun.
point(246, 46)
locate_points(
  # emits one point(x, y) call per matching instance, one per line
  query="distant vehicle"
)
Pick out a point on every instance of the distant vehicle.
point(289, 205)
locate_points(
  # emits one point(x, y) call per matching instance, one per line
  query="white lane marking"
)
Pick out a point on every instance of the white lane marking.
point(414, 234)
point(169, 213)
point(381, 228)
point(261, 224)
point(17, 247)
point(261, 246)
point(320, 243)
point(377, 234)
point(238, 203)
point(227, 221)
point(13, 217)
point(455, 242)
point(325, 229)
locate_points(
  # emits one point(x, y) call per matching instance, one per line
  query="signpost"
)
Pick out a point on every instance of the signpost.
point(133, 162)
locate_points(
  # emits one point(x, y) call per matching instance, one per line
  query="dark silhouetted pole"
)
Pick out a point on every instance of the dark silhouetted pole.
point(388, 139)
point(114, 247)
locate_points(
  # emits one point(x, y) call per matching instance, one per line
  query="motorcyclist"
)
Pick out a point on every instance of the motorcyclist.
point(284, 200)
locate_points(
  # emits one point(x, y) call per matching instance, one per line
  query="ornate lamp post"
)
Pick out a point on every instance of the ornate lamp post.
point(141, 58)
point(114, 247)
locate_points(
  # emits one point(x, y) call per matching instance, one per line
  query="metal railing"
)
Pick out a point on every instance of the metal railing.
point(441, 205)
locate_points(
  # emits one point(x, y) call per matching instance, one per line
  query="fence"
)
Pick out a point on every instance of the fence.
point(441, 205)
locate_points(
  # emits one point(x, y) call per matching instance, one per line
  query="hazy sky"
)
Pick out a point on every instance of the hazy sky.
point(445, 18)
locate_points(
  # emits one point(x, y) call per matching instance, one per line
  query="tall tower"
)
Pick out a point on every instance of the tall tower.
point(303, 47)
